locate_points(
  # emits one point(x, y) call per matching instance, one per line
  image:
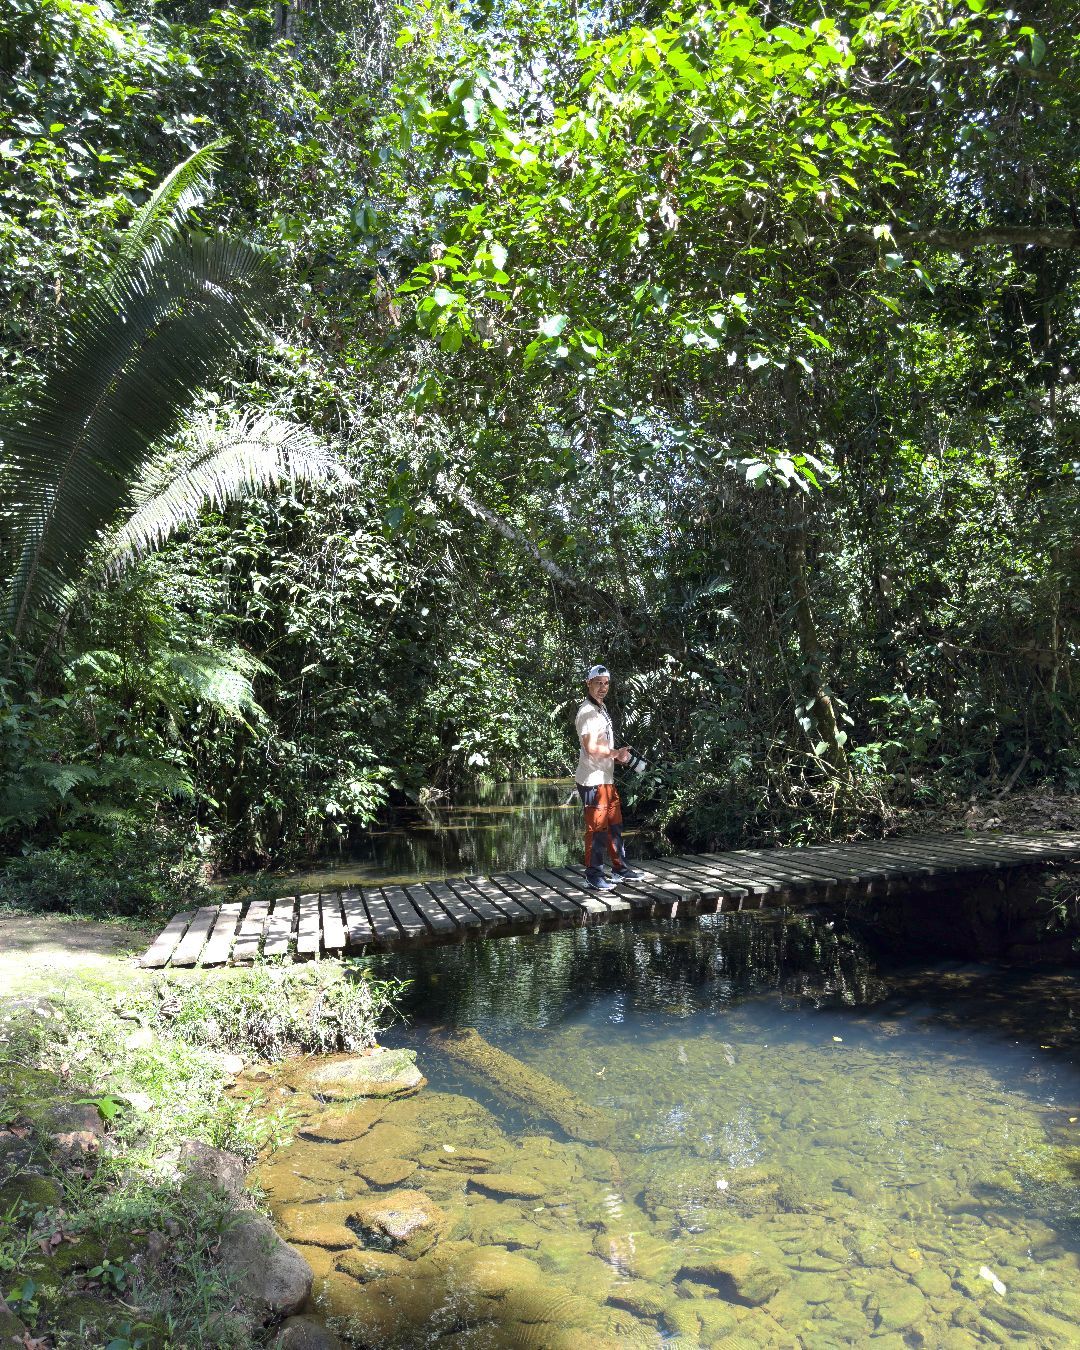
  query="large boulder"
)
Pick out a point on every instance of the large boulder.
point(345, 1078)
point(305, 1333)
point(270, 1279)
point(213, 1166)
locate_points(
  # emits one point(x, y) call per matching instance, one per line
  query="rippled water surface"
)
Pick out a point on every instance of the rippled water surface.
point(783, 1145)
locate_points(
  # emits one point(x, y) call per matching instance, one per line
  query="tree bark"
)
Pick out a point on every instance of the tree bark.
point(818, 702)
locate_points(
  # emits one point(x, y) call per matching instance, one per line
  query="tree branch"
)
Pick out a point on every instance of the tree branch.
point(964, 241)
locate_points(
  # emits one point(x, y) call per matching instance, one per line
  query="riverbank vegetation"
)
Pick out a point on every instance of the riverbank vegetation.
point(373, 369)
point(129, 1109)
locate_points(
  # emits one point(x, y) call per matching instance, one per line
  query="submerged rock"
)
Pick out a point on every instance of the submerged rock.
point(741, 1277)
point(408, 1219)
point(365, 1265)
point(342, 1125)
point(504, 1183)
point(387, 1171)
point(378, 1073)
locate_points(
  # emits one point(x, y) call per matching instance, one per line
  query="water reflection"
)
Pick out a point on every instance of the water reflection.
point(504, 827)
point(649, 970)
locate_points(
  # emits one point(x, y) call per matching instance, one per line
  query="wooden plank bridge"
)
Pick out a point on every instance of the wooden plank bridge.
point(378, 918)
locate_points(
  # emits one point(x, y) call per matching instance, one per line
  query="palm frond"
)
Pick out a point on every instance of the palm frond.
point(157, 222)
point(222, 461)
point(140, 351)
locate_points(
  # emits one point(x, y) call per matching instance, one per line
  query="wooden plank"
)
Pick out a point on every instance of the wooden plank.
point(280, 925)
point(383, 925)
point(527, 899)
point(217, 950)
point(357, 924)
point(724, 878)
point(994, 854)
point(701, 888)
point(458, 910)
point(775, 869)
point(433, 913)
point(516, 913)
point(592, 904)
point(598, 903)
point(568, 906)
point(957, 857)
point(651, 885)
point(333, 928)
point(251, 931)
point(706, 887)
point(404, 911)
point(191, 944)
point(309, 928)
point(164, 944)
point(867, 866)
point(491, 916)
point(903, 862)
point(781, 884)
point(551, 909)
point(828, 862)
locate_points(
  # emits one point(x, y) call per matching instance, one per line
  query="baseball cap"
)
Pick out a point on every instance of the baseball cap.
point(596, 671)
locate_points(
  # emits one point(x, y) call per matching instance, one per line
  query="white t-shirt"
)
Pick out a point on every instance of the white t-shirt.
point(594, 721)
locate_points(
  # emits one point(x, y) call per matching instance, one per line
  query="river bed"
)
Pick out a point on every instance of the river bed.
point(787, 1144)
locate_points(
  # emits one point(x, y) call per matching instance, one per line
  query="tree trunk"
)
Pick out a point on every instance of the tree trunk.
point(818, 703)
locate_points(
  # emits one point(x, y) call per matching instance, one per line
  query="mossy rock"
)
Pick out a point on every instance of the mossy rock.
point(515, 1187)
point(36, 1191)
point(380, 1073)
point(83, 1314)
point(12, 1331)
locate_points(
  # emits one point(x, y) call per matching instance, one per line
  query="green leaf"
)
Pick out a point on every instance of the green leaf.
point(452, 339)
point(553, 326)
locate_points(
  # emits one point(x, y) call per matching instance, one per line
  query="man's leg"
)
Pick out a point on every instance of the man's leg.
point(596, 832)
point(615, 840)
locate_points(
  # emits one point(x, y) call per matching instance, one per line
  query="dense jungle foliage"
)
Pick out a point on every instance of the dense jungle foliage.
point(371, 369)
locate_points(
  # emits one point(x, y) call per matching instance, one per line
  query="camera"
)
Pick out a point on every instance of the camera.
point(636, 763)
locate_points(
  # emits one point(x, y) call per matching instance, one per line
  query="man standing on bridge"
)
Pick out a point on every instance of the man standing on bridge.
point(595, 779)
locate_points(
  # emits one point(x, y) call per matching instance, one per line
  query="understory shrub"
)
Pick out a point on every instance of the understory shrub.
point(274, 1010)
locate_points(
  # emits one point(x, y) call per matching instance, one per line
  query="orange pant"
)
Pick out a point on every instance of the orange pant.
point(603, 828)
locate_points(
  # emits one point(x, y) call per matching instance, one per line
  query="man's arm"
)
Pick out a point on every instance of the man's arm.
point(590, 743)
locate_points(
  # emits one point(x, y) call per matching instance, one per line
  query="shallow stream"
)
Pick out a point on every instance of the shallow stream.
point(765, 1138)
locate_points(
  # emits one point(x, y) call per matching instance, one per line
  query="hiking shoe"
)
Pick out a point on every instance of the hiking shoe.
point(626, 874)
point(601, 885)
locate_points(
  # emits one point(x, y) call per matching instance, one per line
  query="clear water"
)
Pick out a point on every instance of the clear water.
point(800, 1147)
